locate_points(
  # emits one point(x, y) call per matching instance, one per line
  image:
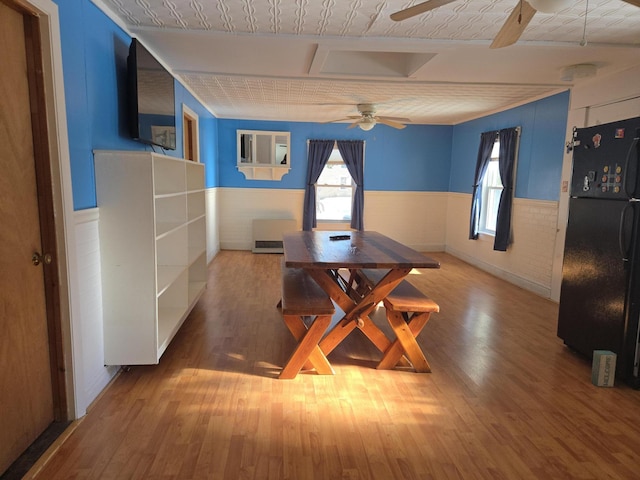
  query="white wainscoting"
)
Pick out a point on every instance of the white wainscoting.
point(238, 207)
point(529, 260)
point(92, 376)
point(213, 236)
point(426, 221)
point(417, 219)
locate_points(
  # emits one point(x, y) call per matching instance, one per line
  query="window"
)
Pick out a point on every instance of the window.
point(334, 190)
point(491, 191)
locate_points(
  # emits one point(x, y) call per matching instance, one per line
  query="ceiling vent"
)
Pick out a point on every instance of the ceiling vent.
point(365, 63)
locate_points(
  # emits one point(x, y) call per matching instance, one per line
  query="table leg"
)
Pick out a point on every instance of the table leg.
point(356, 310)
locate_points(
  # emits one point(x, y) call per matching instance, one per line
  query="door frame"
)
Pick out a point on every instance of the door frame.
point(53, 168)
point(192, 117)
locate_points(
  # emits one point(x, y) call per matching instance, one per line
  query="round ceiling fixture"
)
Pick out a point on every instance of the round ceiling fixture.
point(549, 6)
point(581, 70)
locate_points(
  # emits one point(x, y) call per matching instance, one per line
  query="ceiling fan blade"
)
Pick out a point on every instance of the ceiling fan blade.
point(633, 2)
point(353, 125)
point(336, 120)
point(514, 27)
point(394, 119)
point(350, 117)
point(418, 9)
point(390, 123)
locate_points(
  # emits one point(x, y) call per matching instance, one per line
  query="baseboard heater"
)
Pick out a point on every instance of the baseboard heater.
point(267, 234)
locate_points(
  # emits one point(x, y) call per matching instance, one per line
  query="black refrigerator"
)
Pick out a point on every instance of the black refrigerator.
point(600, 292)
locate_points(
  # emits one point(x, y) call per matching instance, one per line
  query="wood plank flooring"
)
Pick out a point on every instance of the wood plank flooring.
point(505, 400)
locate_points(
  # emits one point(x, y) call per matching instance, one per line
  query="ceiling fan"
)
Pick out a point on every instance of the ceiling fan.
point(368, 118)
point(515, 25)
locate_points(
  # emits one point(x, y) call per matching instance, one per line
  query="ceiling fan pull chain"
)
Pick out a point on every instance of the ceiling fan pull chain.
point(583, 42)
point(520, 14)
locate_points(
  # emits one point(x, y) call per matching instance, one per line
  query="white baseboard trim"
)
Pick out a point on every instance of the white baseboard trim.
point(235, 245)
point(534, 287)
point(428, 247)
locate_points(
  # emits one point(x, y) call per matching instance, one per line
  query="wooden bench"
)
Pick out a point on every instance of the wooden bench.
point(303, 297)
point(408, 311)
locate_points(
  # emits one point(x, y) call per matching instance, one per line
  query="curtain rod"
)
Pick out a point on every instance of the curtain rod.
point(309, 139)
point(518, 129)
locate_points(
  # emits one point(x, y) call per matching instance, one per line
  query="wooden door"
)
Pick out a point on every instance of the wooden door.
point(26, 392)
point(187, 126)
point(190, 134)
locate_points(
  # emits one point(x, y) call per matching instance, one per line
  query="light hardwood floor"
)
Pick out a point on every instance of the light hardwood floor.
point(505, 400)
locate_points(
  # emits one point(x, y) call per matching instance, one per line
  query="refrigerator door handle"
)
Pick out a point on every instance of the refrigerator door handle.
point(622, 240)
point(630, 194)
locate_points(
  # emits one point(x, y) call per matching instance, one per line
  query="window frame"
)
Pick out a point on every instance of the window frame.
point(489, 189)
point(351, 185)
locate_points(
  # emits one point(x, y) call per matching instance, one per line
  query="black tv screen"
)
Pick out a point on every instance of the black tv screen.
point(152, 114)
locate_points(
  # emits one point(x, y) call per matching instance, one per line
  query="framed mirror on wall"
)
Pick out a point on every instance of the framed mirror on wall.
point(263, 155)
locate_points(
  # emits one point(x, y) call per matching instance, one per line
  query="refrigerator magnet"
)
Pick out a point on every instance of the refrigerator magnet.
point(596, 140)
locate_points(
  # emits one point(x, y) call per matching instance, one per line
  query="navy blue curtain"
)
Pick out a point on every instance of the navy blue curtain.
point(352, 152)
point(487, 140)
point(318, 155)
point(506, 161)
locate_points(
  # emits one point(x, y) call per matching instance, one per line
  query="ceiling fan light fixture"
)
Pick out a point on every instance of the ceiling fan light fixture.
point(550, 6)
point(367, 123)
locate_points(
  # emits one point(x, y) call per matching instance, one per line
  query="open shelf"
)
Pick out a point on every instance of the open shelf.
point(153, 249)
point(195, 177)
point(168, 175)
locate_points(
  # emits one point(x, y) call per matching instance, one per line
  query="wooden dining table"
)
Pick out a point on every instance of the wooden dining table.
point(327, 255)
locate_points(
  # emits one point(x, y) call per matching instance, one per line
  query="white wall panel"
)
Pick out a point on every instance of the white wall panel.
point(213, 236)
point(417, 219)
point(528, 262)
point(608, 90)
point(238, 208)
point(93, 376)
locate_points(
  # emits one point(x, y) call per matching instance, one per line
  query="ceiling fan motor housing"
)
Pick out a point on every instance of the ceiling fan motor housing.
point(366, 109)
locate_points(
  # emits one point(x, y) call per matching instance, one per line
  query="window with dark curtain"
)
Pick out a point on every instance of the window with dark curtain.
point(319, 152)
point(508, 139)
point(487, 139)
point(352, 152)
point(506, 162)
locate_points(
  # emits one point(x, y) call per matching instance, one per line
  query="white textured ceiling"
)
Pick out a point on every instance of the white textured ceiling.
point(314, 60)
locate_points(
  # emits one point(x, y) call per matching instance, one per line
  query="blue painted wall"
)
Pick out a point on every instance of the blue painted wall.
point(94, 57)
point(418, 158)
point(539, 166)
point(423, 157)
point(413, 159)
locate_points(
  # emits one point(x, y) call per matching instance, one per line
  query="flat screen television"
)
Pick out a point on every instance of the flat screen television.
point(152, 113)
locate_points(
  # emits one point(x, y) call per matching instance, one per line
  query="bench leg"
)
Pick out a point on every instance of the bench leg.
point(406, 333)
point(317, 358)
point(307, 348)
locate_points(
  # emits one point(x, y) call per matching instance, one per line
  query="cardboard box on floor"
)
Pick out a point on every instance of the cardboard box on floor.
point(603, 370)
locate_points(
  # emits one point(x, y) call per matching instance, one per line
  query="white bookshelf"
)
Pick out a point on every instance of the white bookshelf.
point(153, 250)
